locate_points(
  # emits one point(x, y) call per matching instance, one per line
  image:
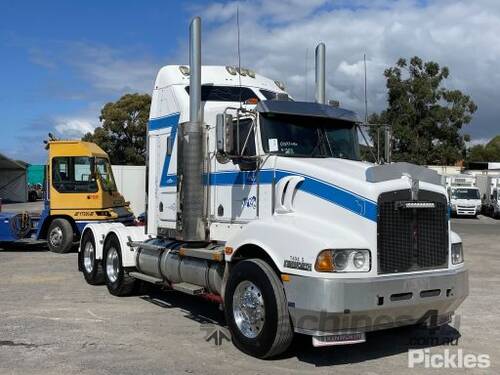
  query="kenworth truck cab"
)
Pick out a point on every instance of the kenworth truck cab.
point(262, 204)
point(80, 189)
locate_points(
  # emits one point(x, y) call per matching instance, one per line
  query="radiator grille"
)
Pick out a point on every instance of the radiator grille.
point(411, 239)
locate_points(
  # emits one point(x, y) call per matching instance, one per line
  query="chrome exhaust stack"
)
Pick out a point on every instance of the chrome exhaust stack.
point(320, 74)
point(191, 221)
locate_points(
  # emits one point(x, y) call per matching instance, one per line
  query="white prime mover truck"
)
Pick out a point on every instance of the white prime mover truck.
point(464, 195)
point(262, 204)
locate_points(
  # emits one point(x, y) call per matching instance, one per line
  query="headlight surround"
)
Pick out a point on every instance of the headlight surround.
point(457, 253)
point(343, 260)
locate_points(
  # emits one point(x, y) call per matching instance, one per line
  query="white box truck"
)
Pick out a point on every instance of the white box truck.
point(262, 204)
point(464, 195)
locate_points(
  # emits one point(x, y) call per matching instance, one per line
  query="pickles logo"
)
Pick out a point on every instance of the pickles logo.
point(447, 359)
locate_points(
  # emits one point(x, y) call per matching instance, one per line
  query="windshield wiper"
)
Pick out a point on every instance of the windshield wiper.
point(322, 140)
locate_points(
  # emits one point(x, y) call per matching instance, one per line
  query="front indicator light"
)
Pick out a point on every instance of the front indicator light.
point(324, 262)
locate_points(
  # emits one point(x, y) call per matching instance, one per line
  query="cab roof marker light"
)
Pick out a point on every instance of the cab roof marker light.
point(251, 73)
point(243, 72)
point(280, 85)
point(231, 70)
point(184, 70)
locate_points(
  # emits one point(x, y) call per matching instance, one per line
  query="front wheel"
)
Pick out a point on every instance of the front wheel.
point(88, 264)
point(118, 281)
point(256, 309)
point(60, 236)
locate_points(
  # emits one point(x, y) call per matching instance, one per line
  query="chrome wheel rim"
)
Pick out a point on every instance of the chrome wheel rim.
point(56, 237)
point(248, 309)
point(112, 264)
point(88, 257)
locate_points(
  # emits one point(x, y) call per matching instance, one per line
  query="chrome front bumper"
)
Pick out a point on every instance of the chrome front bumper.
point(321, 306)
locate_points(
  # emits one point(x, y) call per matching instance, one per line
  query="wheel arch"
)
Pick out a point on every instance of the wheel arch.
point(46, 224)
point(99, 231)
point(124, 235)
point(254, 251)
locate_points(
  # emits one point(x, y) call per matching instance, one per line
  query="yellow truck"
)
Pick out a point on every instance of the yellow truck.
point(79, 189)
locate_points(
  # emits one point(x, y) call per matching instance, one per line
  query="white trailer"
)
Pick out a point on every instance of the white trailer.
point(130, 181)
point(262, 204)
point(464, 195)
point(490, 193)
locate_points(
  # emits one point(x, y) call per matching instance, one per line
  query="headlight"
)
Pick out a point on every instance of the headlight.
point(343, 260)
point(457, 253)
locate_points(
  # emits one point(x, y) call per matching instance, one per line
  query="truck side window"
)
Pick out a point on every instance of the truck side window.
point(73, 175)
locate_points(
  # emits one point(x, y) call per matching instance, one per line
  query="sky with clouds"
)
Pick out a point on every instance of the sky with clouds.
point(63, 60)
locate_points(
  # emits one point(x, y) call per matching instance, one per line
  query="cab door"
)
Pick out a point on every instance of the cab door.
point(234, 183)
point(166, 179)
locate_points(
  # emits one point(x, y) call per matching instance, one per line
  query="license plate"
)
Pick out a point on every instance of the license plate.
point(340, 339)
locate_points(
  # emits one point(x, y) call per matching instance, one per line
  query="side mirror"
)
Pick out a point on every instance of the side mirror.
point(224, 133)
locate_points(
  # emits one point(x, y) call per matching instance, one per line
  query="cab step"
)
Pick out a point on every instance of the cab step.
point(189, 288)
point(149, 279)
point(215, 254)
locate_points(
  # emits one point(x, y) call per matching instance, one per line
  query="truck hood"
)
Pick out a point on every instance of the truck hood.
point(362, 179)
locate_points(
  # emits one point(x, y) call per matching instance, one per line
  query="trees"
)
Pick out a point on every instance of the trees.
point(122, 133)
point(487, 152)
point(426, 118)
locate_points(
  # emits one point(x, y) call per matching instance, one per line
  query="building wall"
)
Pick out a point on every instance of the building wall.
point(446, 169)
point(131, 183)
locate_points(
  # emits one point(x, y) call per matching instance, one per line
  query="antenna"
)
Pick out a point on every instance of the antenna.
point(366, 98)
point(366, 112)
point(239, 52)
point(305, 75)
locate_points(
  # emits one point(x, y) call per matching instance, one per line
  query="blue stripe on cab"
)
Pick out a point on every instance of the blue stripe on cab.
point(170, 121)
point(333, 194)
point(164, 122)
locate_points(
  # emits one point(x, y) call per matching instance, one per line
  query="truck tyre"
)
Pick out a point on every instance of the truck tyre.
point(60, 236)
point(256, 309)
point(117, 279)
point(89, 265)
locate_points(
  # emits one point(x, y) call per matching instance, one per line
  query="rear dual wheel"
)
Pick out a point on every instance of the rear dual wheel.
point(90, 266)
point(117, 279)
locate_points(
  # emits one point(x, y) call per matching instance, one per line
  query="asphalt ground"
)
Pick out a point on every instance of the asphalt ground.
point(52, 322)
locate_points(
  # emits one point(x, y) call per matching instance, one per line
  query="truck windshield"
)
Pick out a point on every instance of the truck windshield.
point(465, 194)
point(105, 174)
point(303, 136)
